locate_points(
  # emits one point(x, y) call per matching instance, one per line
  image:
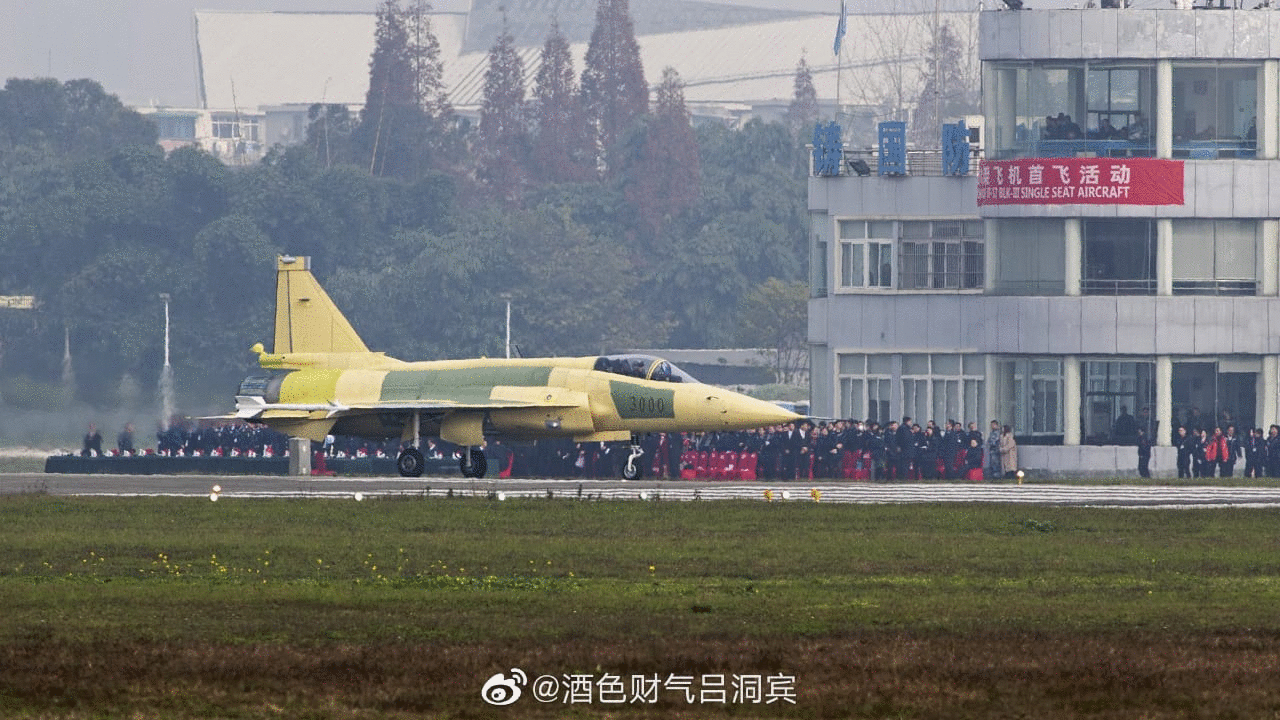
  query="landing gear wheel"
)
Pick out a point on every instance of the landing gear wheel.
point(478, 465)
point(410, 463)
point(632, 470)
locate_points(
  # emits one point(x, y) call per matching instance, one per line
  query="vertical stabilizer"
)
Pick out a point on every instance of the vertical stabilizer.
point(307, 321)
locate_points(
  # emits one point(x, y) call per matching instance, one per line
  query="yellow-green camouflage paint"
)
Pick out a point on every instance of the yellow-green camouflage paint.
point(634, 401)
point(310, 386)
point(459, 384)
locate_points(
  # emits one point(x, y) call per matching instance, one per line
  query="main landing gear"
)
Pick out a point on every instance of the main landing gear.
point(633, 470)
point(410, 463)
point(473, 463)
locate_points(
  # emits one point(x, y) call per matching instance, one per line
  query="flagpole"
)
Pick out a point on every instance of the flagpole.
point(840, 30)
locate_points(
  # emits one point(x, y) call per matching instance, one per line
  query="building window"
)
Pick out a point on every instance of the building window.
point(1029, 398)
point(176, 128)
point(1215, 107)
point(1032, 257)
point(1120, 108)
point(865, 387)
point(1215, 257)
point(229, 126)
point(1215, 394)
point(1118, 399)
point(1119, 257)
point(1068, 109)
point(943, 387)
point(941, 255)
point(819, 229)
point(866, 254)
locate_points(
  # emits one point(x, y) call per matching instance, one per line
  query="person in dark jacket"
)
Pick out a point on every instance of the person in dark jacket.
point(927, 447)
point(1183, 444)
point(1233, 449)
point(92, 445)
point(1144, 453)
point(1273, 451)
point(892, 452)
point(906, 450)
point(973, 458)
point(1255, 454)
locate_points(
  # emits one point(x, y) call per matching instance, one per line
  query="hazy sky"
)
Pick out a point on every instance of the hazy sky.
point(144, 50)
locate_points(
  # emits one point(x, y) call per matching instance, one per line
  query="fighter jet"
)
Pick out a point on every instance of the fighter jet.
point(321, 379)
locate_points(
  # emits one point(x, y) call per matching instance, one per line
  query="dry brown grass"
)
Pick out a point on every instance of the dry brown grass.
point(878, 674)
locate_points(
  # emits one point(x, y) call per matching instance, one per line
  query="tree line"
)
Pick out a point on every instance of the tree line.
point(605, 215)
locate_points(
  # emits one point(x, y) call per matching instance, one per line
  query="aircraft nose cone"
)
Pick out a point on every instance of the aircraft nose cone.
point(744, 413)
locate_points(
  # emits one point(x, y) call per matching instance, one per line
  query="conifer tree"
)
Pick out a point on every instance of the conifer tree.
point(404, 127)
point(560, 151)
point(802, 113)
point(503, 119)
point(426, 65)
point(664, 179)
point(614, 92)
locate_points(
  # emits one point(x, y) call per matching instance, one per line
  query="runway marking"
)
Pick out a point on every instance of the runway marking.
point(1154, 497)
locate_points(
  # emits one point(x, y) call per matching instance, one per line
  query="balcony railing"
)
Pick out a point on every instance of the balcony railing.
point(865, 162)
point(1228, 288)
point(1096, 286)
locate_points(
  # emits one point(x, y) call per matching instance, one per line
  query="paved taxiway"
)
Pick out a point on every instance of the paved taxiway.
point(375, 487)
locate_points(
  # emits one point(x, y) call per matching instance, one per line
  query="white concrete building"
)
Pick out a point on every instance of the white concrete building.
point(1078, 274)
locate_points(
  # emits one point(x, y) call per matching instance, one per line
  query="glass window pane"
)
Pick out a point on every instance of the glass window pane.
point(851, 398)
point(1046, 367)
point(851, 271)
point(913, 269)
point(879, 365)
point(915, 364)
point(852, 364)
point(946, 365)
point(975, 365)
point(882, 229)
point(852, 229)
point(915, 230)
point(1234, 250)
point(946, 229)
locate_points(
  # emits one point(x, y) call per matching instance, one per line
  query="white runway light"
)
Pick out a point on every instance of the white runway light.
point(213, 497)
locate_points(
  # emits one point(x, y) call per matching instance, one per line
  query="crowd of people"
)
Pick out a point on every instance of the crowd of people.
point(838, 450)
point(186, 438)
point(1062, 127)
point(1204, 452)
point(843, 449)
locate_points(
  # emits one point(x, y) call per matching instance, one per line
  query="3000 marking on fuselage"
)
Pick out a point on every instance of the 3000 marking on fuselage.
point(637, 401)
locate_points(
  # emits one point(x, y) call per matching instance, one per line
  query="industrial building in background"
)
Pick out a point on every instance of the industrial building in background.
point(258, 73)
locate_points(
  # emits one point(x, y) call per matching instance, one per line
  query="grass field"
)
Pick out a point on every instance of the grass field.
point(183, 608)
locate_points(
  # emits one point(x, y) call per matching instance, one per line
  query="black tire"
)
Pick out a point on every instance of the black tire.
point(479, 464)
point(410, 463)
point(632, 471)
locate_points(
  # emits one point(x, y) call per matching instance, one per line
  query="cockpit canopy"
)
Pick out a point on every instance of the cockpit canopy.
point(645, 367)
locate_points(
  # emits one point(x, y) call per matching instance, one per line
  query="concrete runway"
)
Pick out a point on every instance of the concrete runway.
point(235, 487)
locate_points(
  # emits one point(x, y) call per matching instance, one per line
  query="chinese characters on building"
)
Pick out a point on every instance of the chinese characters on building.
point(1057, 181)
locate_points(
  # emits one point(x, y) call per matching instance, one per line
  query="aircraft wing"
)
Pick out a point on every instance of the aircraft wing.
point(249, 407)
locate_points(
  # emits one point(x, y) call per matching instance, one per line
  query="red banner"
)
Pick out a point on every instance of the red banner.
point(1085, 181)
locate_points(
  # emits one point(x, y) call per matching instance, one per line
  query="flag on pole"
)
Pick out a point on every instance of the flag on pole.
point(840, 28)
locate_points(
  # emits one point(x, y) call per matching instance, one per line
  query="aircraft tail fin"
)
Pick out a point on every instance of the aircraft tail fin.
point(307, 321)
